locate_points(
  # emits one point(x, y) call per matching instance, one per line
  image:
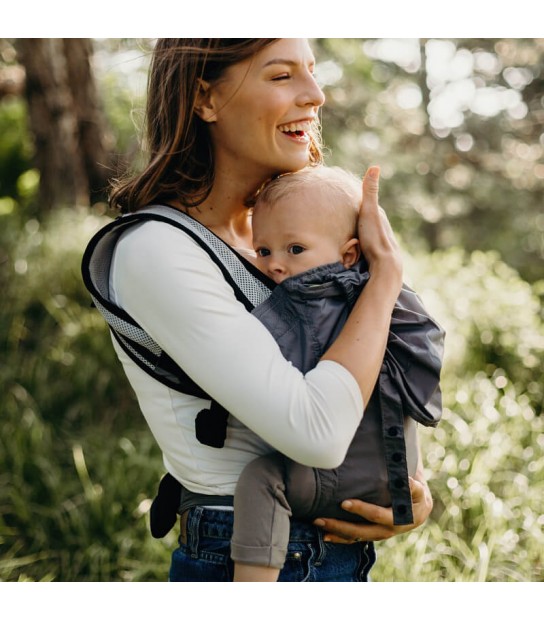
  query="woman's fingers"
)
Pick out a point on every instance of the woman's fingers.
point(381, 524)
point(338, 531)
point(380, 528)
point(370, 512)
point(422, 501)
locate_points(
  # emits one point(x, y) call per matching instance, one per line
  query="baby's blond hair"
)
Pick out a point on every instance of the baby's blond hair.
point(340, 189)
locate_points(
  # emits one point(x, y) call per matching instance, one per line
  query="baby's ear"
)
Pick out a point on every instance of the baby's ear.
point(204, 106)
point(350, 252)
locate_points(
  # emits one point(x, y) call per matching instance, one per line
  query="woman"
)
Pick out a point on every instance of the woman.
point(223, 117)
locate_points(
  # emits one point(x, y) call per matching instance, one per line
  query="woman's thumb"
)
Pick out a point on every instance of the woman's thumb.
point(371, 183)
point(372, 177)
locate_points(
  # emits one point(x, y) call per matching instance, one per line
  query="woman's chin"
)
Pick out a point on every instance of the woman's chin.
point(294, 164)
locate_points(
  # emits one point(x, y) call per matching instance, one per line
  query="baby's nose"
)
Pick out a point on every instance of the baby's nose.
point(277, 270)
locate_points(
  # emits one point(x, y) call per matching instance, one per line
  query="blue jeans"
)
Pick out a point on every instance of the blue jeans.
point(206, 554)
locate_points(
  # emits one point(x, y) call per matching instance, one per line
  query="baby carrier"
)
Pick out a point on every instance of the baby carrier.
point(251, 289)
point(305, 315)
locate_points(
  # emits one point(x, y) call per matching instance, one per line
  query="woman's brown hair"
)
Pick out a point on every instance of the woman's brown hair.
point(181, 165)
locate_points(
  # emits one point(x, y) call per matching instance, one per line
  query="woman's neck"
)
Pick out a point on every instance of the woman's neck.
point(225, 213)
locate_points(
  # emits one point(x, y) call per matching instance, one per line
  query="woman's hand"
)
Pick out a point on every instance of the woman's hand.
point(381, 526)
point(376, 236)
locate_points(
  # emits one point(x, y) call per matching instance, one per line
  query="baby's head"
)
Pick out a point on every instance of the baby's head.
point(306, 219)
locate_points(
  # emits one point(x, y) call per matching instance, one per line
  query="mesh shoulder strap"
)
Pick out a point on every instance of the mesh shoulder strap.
point(246, 281)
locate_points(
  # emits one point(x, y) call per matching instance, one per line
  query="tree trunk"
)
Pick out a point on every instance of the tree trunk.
point(53, 122)
point(94, 139)
point(71, 151)
point(429, 230)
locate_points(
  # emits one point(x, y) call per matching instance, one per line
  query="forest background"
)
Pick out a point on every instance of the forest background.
point(457, 126)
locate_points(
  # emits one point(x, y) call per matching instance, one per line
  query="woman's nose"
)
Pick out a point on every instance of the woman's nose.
point(311, 93)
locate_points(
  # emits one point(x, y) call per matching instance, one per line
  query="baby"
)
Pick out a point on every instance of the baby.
point(304, 230)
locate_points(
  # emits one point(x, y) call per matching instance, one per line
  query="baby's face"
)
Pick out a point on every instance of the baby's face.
point(292, 237)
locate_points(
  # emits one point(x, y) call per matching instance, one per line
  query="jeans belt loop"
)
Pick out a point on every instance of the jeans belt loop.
point(183, 527)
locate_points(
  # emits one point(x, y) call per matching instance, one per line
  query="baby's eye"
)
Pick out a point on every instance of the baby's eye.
point(296, 249)
point(263, 252)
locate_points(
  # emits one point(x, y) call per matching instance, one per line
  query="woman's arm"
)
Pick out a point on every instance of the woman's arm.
point(360, 347)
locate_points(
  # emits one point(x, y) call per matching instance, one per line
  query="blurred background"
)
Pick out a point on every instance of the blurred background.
point(457, 126)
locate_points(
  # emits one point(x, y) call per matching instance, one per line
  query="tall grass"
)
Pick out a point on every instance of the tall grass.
point(78, 466)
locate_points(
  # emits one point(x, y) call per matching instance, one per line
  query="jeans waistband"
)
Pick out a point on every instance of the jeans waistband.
point(208, 532)
point(216, 523)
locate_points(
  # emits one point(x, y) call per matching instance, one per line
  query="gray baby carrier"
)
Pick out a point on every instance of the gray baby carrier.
point(390, 416)
point(305, 315)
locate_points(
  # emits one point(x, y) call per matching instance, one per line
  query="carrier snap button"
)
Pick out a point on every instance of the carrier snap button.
point(297, 555)
point(397, 457)
point(393, 431)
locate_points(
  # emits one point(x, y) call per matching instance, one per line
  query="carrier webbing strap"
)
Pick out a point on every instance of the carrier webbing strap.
point(247, 282)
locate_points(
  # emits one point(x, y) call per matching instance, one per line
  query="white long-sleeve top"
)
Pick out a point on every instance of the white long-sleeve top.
point(172, 288)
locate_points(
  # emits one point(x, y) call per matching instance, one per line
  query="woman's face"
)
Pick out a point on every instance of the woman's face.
point(261, 109)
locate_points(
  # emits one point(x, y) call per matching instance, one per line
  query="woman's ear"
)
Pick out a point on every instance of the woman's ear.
point(350, 252)
point(204, 107)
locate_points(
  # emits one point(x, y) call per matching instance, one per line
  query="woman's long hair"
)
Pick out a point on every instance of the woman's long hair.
point(181, 163)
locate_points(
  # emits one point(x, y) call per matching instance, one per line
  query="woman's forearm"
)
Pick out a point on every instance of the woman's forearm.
point(360, 347)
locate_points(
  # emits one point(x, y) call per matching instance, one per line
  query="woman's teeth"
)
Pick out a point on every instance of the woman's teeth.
point(297, 128)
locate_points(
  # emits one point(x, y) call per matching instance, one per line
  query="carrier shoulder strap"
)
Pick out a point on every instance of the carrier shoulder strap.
point(247, 282)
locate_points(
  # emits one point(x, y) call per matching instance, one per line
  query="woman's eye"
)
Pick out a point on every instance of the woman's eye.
point(263, 252)
point(283, 76)
point(296, 249)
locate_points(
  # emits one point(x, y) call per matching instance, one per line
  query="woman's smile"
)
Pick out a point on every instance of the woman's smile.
point(298, 131)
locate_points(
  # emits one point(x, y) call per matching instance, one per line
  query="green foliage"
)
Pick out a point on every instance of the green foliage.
point(493, 318)
point(50, 327)
point(15, 145)
point(121, 74)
